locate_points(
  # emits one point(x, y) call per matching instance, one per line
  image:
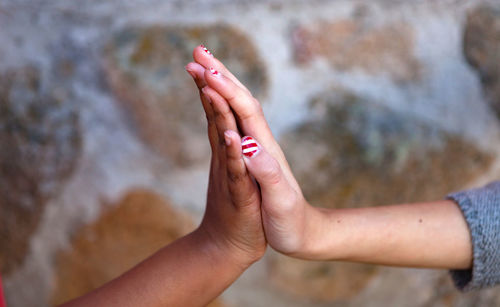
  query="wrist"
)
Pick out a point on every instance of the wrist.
point(318, 239)
point(329, 235)
point(219, 248)
point(310, 246)
point(303, 233)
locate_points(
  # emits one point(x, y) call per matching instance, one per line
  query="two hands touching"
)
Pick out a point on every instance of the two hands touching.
point(431, 234)
point(254, 200)
point(252, 194)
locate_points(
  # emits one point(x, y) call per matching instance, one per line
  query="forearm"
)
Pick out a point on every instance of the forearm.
point(189, 272)
point(433, 235)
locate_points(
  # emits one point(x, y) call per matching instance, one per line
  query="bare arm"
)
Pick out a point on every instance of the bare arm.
point(192, 271)
point(432, 235)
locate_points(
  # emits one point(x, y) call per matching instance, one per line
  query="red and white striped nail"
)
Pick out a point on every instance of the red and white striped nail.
point(206, 50)
point(249, 146)
point(214, 72)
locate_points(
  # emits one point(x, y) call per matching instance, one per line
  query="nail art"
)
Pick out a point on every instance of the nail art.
point(249, 146)
point(214, 72)
point(206, 50)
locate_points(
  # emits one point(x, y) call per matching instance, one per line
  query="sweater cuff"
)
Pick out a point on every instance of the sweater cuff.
point(480, 208)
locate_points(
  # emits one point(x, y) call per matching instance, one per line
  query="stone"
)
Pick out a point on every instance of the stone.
point(319, 280)
point(40, 142)
point(363, 154)
point(354, 44)
point(482, 49)
point(425, 287)
point(355, 153)
point(127, 232)
point(145, 69)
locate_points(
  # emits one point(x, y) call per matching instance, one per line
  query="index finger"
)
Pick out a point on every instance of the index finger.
point(205, 58)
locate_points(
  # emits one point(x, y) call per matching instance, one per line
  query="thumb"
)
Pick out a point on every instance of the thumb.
point(264, 168)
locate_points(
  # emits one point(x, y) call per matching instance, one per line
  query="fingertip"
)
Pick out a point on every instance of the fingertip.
point(190, 72)
point(234, 137)
point(201, 54)
point(250, 147)
point(265, 169)
point(208, 92)
point(233, 144)
point(194, 67)
point(197, 72)
point(190, 66)
point(259, 162)
point(205, 51)
point(227, 138)
point(197, 51)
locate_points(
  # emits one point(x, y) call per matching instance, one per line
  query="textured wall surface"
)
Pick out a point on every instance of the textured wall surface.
point(103, 143)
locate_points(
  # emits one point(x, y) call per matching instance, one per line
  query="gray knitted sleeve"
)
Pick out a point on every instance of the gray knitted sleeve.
point(481, 209)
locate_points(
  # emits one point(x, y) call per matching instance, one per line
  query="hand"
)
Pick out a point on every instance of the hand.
point(232, 219)
point(288, 220)
point(229, 239)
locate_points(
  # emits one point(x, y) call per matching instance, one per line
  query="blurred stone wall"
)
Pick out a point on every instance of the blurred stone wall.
point(104, 156)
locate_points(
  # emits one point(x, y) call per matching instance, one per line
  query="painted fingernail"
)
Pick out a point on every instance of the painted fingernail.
point(227, 138)
point(214, 72)
point(206, 50)
point(249, 147)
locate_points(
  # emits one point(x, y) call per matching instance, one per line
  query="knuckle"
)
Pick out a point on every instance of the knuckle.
point(220, 109)
point(290, 200)
point(257, 108)
point(236, 176)
point(223, 113)
point(271, 174)
point(242, 199)
point(239, 96)
point(254, 110)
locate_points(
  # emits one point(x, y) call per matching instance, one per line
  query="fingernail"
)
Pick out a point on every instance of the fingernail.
point(190, 72)
point(215, 72)
point(227, 138)
point(204, 91)
point(249, 147)
point(206, 50)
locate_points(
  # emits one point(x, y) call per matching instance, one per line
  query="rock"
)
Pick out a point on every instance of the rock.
point(354, 153)
point(145, 69)
point(40, 142)
point(128, 232)
point(482, 49)
point(318, 280)
point(362, 154)
point(425, 288)
point(351, 44)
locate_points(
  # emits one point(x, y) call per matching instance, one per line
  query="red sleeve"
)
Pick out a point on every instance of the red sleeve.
point(2, 299)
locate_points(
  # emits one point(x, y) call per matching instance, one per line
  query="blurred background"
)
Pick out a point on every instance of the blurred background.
point(103, 150)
